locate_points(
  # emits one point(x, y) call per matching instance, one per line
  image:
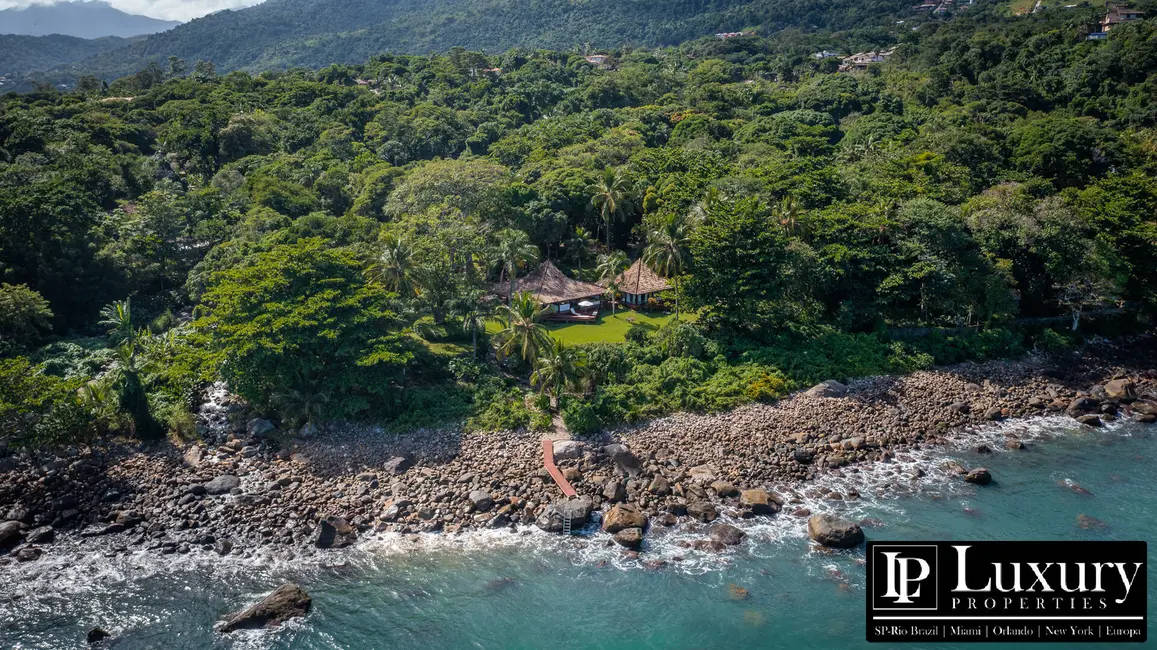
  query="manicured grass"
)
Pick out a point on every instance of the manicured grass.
point(607, 329)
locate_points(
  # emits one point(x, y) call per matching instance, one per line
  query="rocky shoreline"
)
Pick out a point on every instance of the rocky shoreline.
point(248, 488)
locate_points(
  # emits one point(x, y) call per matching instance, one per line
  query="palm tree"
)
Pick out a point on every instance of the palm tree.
point(611, 265)
point(666, 251)
point(474, 312)
point(556, 368)
point(577, 245)
point(611, 195)
point(521, 329)
point(512, 250)
point(302, 406)
point(790, 216)
point(703, 208)
point(396, 266)
point(118, 317)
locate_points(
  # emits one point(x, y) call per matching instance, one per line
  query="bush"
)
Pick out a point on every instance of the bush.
point(500, 411)
point(1050, 340)
point(580, 416)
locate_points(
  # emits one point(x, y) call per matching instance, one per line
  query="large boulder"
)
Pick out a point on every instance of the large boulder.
point(727, 534)
point(724, 489)
point(10, 533)
point(551, 518)
point(258, 427)
point(1121, 389)
point(631, 538)
point(397, 465)
point(567, 449)
point(194, 455)
point(334, 532)
point(829, 388)
point(624, 515)
point(834, 532)
point(704, 511)
point(288, 601)
point(979, 476)
point(614, 491)
point(1090, 420)
point(759, 502)
point(627, 462)
point(1084, 405)
point(481, 500)
point(223, 484)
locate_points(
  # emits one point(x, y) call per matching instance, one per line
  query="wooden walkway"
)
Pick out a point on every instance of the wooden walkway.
point(548, 462)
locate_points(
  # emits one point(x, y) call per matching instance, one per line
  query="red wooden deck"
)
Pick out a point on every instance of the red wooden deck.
point(548, 461)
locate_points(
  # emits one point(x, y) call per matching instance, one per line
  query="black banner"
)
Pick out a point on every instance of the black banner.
point(1090, 592)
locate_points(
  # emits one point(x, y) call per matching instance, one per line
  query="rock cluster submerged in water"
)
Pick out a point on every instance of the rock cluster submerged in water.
point(240, 490)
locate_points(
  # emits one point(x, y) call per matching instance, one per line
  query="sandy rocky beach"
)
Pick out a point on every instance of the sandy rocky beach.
point(248, 488)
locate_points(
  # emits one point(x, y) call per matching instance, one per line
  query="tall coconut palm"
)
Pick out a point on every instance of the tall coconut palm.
point(556, 368)
point(513, 249)
point(790, 216)
point(118, 317)
point(666, 251)
point(473, 312)
point(611, 266)
point(577, 246)
point(611, 195)
point(522, 331)
point(396, 266)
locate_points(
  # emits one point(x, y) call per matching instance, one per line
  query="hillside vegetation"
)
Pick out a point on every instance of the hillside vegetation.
point(325, 242)
point(280, 34)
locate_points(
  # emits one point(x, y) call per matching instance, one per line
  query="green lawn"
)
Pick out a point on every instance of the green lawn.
point(607, 329)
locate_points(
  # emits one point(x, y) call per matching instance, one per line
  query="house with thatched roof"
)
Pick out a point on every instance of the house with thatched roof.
point(638, 284)
point(567, 298)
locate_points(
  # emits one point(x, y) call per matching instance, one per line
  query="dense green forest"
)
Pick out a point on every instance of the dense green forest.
point(22, 54)
point(280, 34)
point(325, 242)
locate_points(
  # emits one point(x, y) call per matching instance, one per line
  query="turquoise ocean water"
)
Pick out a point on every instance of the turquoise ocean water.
point(531, 590)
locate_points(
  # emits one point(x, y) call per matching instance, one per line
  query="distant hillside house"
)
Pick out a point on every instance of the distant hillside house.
point(824, 54)
point(599, 61)
point(568, 299)
point(638, 283)
point(723, 36)
point(861, 60)
point(1118, 16)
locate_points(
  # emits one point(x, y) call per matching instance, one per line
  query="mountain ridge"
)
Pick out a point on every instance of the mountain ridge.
point(89, 20)
point(280, 34)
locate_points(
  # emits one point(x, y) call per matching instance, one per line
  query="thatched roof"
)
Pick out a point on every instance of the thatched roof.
point(549, 285)
point(640, 279)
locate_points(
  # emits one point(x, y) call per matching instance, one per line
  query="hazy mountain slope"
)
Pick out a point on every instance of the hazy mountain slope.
point(315, 33)
point(80, 19)
point(20, 54)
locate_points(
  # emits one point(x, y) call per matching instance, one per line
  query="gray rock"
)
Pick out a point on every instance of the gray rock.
point(993, 414)
point(614, 491)
point(659, 486)
point(397, 465)
point(334, 532)
point(481, 500)
point(193, 456)
point(627, 462)
point(724, 489)
point(288, 601)
point(834, 532)
point(258, 427)
point(42, 535)
point(631, 538)
point(10, 532)
point(704, 511)
point(551, 518)
point(223, 484)
point(1084, 405)
point(1091, 420)
point(979, 476)
point(726, 534)
point(568, 449)
point(829, 388)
